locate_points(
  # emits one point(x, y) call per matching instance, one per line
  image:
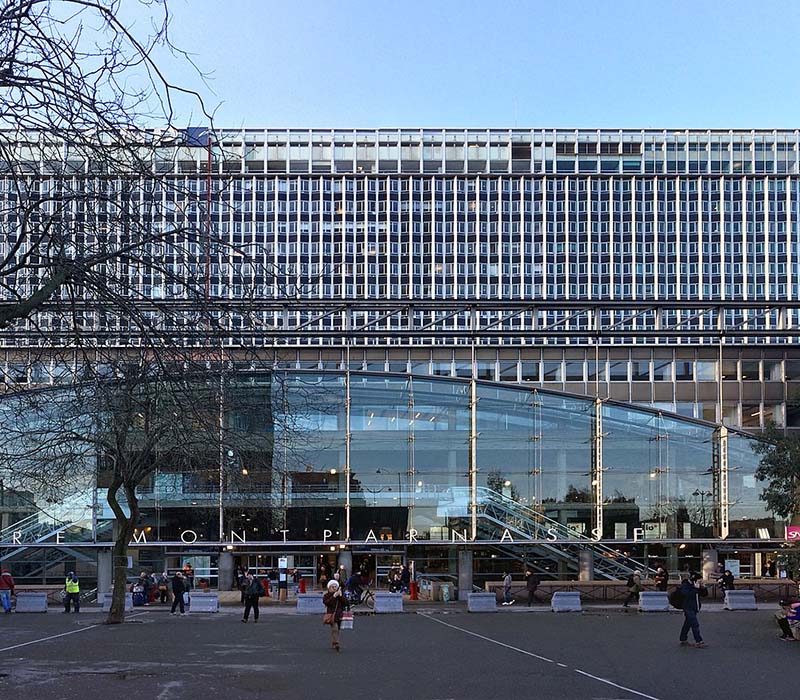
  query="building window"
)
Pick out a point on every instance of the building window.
point(706, 371)
point(551, 371)
point(573, 371)
point(640, 371)
point(508, 371)
point(484, 370)
point(440, 369)
point(792, 370)
point(684, 371)
point(596, 371)
point(750, 370)
point(772, 370)
point(618, 371)
point(751, 415)
point(529, 371)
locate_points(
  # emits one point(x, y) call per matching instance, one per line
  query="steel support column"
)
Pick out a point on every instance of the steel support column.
point(720, 487)
point(412, 487)
point(347, 438)
point(596, 474)
point(473, 458)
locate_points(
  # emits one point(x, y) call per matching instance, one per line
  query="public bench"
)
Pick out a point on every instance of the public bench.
point(740, 600)
point(203, 603)
point(566, 601)
point(386, 602)
point(482, 602)
point(310, 604)
point(31, 602)
point(653, 601)
point(109, 596)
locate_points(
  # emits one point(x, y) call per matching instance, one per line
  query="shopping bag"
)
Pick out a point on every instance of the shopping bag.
point(347, 621)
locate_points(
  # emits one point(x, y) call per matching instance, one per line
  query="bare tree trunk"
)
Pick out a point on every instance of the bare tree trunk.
point(116, 615)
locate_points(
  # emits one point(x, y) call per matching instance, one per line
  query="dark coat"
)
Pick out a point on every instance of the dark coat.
point(661, 580)
point(178, 586)
point(531, 582)
point(691, 596)
point(254, 588)
point(334, 605)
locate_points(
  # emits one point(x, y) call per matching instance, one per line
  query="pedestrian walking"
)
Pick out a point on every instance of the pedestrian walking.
point(634, 585)
point(507, 598)
point(178, 589)
point(788, 619)
point(334, 605)
point(141, 590)
point(252, 591)
point(661, 579)
point(531, 584)
point(188, 576)
point(405, 578)
point(72, 587)
point(691, 590)
point(163, 587)
point(6, 589)
point(727, 581)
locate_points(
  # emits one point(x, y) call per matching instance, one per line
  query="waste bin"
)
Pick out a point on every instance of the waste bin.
point(414, 590)
point(445, 592)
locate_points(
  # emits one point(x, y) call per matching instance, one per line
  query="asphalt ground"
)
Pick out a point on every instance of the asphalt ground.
point(460, 656)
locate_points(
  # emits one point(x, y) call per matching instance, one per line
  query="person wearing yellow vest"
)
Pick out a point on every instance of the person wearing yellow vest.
point(73, 590)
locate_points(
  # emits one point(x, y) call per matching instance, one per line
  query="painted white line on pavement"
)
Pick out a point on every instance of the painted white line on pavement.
point(616, 685)
point(56, 636)
point(169, 687)
point(488, 639)
point(537, 656)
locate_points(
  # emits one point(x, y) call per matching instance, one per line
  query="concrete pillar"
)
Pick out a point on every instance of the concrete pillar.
point(585, 565)
point(672, 558)
point(464, 574)
point(105, 572)
point(225, 571)
point(346, 561)
point(710, 558)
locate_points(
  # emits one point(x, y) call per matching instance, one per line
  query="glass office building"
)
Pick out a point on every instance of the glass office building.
point(512, 336)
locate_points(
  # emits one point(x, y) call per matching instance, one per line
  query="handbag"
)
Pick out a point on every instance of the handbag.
point(327, 619)
point(347, 621)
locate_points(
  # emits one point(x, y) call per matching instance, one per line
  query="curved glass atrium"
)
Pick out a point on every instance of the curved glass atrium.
point(334, 457)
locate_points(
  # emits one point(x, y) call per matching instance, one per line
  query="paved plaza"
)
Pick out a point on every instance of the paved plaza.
point(432, 655)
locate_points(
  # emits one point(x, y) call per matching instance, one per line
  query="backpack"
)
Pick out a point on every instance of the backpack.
point(630, 582)
point(676, 598)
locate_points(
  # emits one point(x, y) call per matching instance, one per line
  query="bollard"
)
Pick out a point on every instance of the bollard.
point(302, 584)
point(414, 590)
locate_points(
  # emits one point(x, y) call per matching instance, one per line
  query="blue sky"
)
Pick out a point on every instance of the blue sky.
point(342, 63)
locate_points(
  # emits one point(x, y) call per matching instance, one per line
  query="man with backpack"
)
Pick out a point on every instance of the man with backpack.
point(253, 590)
point(687, 598)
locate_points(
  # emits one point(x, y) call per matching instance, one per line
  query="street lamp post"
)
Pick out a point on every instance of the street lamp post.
point(702, 495)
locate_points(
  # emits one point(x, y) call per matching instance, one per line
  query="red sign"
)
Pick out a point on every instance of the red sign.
point(793, 533)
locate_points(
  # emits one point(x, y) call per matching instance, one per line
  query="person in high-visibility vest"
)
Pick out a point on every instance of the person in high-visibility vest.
point(73, 593)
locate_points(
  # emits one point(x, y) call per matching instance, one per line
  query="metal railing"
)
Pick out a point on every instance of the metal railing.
point(536, 526)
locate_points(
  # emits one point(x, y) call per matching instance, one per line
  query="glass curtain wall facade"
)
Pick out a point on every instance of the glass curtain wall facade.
point(336, 457)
